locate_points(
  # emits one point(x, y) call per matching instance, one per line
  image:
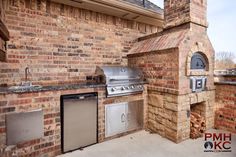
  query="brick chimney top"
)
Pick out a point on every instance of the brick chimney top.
point(177, 12)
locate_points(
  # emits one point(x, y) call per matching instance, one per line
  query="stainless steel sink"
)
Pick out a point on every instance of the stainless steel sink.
point(25, 86)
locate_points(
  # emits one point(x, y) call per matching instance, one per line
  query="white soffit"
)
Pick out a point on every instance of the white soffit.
point(118, 8)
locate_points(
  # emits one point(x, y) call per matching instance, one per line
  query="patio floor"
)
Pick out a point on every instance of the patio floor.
point(144, 144)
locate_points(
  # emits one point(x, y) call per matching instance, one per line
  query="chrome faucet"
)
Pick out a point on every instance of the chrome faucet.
point(27, 72)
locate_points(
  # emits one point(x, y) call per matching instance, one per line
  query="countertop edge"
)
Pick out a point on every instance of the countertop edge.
point(5, 90)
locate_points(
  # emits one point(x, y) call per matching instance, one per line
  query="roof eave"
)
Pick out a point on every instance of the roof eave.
point(120, 9)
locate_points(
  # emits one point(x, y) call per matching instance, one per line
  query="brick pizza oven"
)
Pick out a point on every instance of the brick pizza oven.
point(178, 64)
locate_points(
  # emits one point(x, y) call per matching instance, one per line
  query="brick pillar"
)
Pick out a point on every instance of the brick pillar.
point(177, 12)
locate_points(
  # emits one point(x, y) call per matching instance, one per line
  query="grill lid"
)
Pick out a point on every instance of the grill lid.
point(119, 74)
point(121, 80)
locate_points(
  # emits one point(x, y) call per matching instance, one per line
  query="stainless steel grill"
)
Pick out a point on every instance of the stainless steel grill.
point(121, 80)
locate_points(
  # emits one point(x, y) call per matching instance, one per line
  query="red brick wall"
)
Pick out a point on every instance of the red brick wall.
point(60, 43)
point(225, 117)
point(159, 68)
point(199, 12)
point(178, 12)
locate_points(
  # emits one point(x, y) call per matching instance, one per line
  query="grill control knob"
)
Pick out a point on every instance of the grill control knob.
point(113, 89)
point(140, 87)
point(122, 88)
point(132, 87)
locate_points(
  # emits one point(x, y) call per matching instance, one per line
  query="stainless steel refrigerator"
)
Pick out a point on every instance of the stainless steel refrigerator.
point(79, 121)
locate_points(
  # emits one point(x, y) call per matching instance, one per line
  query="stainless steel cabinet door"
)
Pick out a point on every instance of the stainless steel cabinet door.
point(80, 123)
point(134, 114)
point(115, 119)
point(24, 126)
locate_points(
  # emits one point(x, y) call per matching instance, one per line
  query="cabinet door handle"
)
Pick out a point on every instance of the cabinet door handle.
point(123, 118)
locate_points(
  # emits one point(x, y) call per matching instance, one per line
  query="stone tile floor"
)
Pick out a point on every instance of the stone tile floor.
point(144, 144)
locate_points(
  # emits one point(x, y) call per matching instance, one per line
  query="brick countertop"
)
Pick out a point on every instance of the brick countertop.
point(6, 90)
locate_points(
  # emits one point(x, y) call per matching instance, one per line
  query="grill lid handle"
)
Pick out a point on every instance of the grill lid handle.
point(130, 78)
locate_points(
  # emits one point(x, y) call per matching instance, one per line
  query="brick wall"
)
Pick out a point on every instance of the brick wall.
point(61, 43)
point(159, 68)
point(225, 117)
point(178, 12)
point(198, 12)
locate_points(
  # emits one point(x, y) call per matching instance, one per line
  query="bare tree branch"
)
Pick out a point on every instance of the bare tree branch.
point(224, 60)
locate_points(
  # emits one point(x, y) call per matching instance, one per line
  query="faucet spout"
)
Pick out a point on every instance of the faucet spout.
point(27, 72)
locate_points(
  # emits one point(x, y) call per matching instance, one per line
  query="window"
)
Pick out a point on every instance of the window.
point(198, 62)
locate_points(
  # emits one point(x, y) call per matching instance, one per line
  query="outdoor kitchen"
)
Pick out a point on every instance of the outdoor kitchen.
point(80, 72)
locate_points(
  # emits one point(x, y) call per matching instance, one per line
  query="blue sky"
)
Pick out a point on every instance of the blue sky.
point(222, 24)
